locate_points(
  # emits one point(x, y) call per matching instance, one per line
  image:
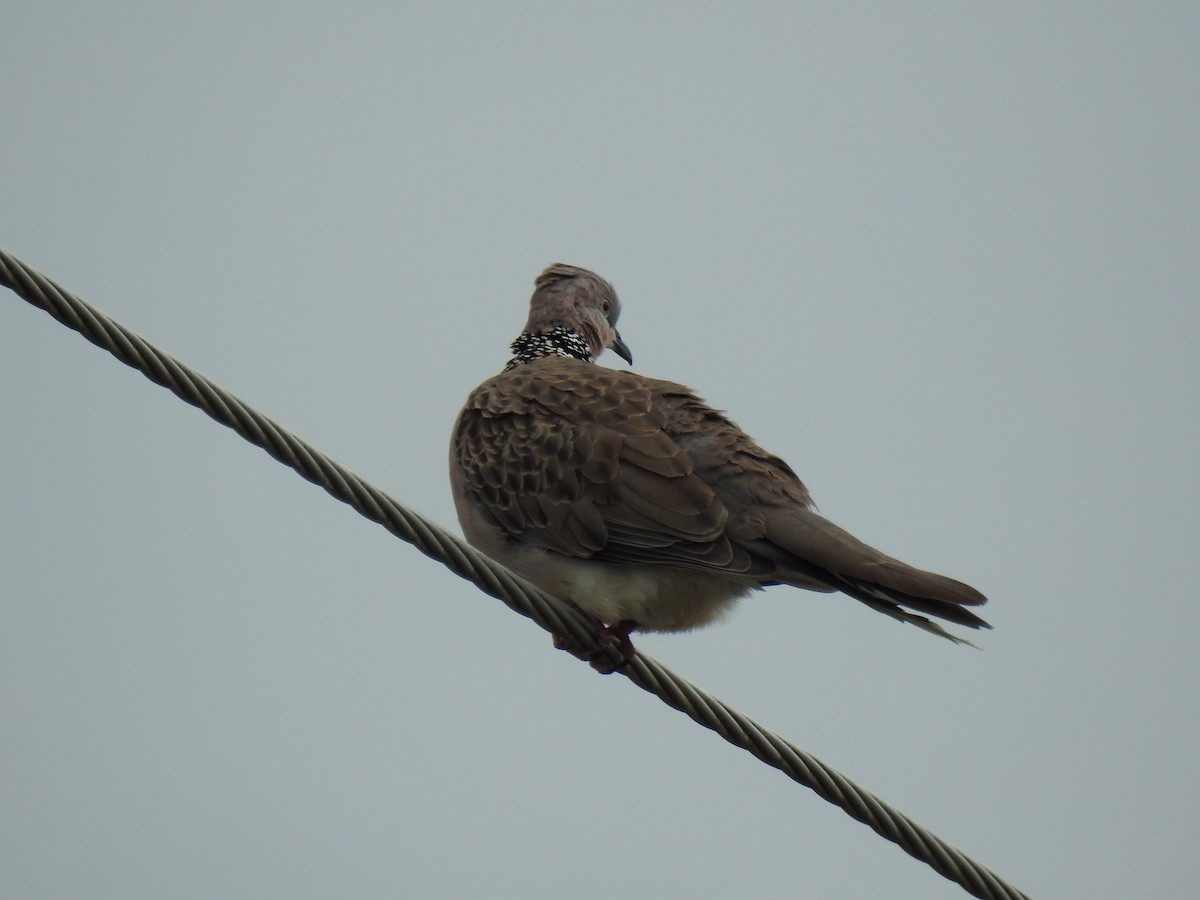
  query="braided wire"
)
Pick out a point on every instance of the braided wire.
point(519, 595)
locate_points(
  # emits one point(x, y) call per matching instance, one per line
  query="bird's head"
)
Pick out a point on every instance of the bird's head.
point(580, 301)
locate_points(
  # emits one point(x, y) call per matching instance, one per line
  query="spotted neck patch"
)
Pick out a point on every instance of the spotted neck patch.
point(558, 341)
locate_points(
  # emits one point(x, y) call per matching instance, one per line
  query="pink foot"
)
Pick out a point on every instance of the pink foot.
point(613, 635)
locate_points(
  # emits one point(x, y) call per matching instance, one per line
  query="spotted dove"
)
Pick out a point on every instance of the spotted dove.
point(632, 499)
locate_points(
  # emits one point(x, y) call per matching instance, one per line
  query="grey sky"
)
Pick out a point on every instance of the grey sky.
point(942, 259)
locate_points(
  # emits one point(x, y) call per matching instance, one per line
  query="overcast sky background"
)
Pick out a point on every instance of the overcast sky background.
point(944, 260)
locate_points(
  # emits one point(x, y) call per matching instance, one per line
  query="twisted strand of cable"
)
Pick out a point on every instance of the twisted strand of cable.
point(494, 579)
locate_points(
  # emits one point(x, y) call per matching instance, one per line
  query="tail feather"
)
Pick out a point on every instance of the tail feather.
point(939, 606)
point(810, 545)
point(889, 608)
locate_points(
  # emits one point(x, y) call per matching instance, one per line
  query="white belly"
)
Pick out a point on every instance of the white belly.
point(658, 598)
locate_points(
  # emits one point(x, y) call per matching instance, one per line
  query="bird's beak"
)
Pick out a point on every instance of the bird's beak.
point(619, 347)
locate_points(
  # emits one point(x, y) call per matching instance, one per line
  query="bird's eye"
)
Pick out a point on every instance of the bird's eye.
point(604, 304)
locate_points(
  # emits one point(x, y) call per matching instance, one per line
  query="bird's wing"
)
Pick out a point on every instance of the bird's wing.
point(576, 458)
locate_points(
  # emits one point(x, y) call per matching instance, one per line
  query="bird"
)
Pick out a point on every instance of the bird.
point(635, 501)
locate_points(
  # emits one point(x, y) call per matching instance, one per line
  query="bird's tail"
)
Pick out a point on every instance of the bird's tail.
point(816, 549)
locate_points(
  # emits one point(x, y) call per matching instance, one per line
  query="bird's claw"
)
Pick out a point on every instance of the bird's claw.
point(615, 642)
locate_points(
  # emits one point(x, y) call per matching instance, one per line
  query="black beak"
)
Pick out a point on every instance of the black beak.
point(619, 347)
